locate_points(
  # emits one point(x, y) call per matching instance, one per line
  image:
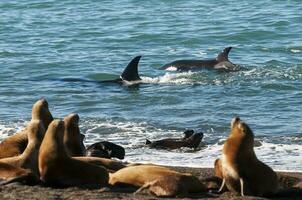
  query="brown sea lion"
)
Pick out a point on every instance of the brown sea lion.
point(73, 139)
point(105, 149)
point(189, 141)
point(9, 174)
point(29, 158)
point(15, 144)
point(161, 181)
point(242, 172)
point(59, 170)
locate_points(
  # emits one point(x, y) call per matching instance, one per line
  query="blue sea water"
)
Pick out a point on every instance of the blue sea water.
point(44, 42)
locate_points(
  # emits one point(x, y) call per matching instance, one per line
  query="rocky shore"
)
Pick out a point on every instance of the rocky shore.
point(16, 191)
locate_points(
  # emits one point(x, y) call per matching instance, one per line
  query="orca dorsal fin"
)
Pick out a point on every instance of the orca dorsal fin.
point(224, 55)
point(148, 142)
point(130, 73)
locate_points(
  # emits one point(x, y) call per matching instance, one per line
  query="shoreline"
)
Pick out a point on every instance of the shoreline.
point(209, 167)
point(18, 191)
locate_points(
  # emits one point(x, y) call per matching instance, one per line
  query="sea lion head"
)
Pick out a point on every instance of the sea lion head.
point(188, 133)
point(73, 139)
point(240, 131)
point(195, 139)
point(55, 132)
point(40, 111)
point(35, 131)
point(238, 127)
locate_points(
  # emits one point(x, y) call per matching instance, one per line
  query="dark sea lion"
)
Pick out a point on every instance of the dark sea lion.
point(242, 172)
point(29, 158)
point(173, 143)
point(221, 62)
point(10, 174)
point(161, 181)
point(59, 170)
point(105, 149)
point(73, 139)
point(15, 144)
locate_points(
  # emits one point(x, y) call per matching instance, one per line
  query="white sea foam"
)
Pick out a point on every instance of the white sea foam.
point(171, 68)
point(168, 78)
point(295, 50)
point(10, 129)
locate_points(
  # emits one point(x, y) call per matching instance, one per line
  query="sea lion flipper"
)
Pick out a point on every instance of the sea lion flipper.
point(222, 187)
point(145, 186)
point(24, 178)
point(224, 55)
point(130, 73)
point(148, 142)
point(241, 187)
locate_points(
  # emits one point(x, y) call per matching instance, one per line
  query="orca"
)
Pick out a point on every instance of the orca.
point(129, 76)
point(221, 62)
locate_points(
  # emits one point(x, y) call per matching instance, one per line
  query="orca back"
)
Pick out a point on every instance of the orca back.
point(224, 55)
point(130, 73)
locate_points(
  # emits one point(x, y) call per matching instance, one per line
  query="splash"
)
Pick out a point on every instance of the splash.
point(8, 129)
point(184, 78)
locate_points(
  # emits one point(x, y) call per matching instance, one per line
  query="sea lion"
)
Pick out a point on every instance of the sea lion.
point(59, 170)
point(73, 139)
point(15, 144)
point(29, 158)
point(221, 62)
point(161, 181)
point(242, 172)
point(191, 141)
point(105, 149)
point(9, 174)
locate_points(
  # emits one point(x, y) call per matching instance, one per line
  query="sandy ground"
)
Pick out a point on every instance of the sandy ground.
point(18, 191)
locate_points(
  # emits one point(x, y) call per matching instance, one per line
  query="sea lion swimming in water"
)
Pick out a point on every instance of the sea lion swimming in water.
point(190, 141)
point(221, 62)
point(16, 144)
point(59, 170)
point(242, 172)
point(161, 181)
point(29, 158)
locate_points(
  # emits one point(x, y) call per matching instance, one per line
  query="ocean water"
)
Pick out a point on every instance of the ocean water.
point(44, 42)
